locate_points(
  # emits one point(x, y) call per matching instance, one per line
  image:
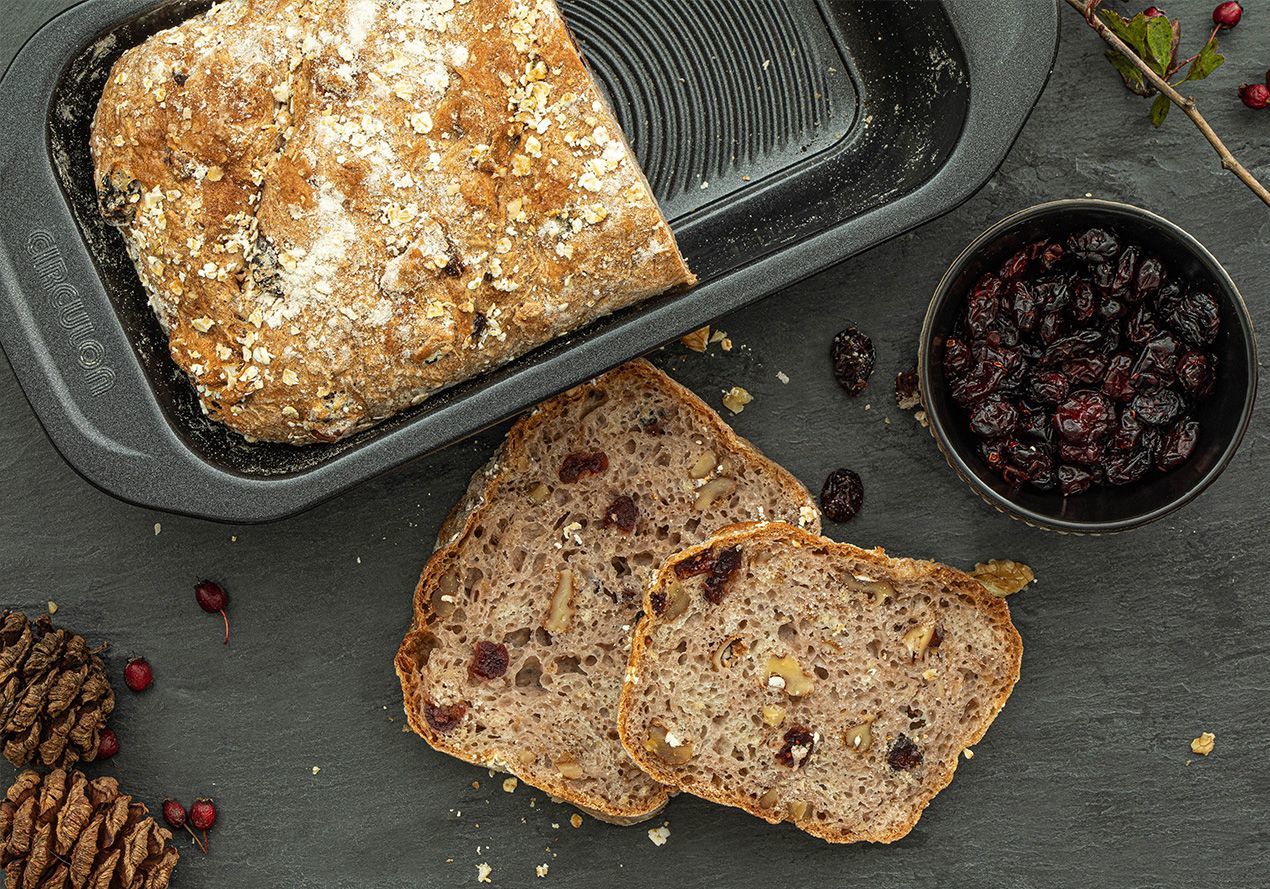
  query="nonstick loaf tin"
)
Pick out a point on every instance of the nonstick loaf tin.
point(781, 136)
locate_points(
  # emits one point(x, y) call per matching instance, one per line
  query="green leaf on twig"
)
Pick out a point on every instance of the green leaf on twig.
point(1133, 78)
point(1160, 109)
point(1208, 61)
point(1159, 44)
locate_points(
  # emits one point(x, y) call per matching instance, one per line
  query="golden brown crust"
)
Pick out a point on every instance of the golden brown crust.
point(339, 208)
point(755, 534)
point(408, 662)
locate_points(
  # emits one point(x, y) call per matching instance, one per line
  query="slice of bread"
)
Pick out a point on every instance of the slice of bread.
point(523, 615)
point(814, 682)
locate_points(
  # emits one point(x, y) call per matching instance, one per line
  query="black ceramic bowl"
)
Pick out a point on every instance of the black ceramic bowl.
point(1223, 418)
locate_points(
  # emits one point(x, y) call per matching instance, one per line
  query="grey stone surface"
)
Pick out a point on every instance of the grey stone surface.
point(1134, 644)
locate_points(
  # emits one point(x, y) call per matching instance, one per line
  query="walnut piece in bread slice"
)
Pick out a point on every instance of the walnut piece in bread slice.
point(337, 209)
point(814, 682)
point(523, 615)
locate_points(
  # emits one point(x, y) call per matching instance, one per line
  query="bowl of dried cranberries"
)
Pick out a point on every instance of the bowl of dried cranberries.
point(1087, 366)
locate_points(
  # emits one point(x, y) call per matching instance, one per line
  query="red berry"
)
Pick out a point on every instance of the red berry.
point(1153, 12)
point(1255, 95)
point(203, 813)
point(138, 675)
point(212, 598)
point(107, 744)
point(1228, 14)
point(174, 814)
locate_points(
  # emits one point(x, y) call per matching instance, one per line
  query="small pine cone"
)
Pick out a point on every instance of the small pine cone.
point(54, 694)
point(63, 831)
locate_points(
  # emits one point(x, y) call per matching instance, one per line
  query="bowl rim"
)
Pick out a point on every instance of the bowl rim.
point(954, 456)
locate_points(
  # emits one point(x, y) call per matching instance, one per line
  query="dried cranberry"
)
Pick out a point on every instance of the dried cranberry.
point(1053, 327)
point(1116, 381)
point(622, 513)
point(1016, 264)
point(1196, 374)
point(799, 744)
point(1035, 422)
point(957, 357)
point(1177, 445)
point(1149, 278)
point(1054, 292)
point(1142, 327)
point(993, 417)
point(582, 463)
point(993, 453)
point(904, 755)
point(907, 393)
point(444, 717)
point(1112, 308)
point(1157, 365)
point(1158, 408)
point(1050, 387)
point(1086, 416)
point(726, 564)
point(1126, 468)
point(852, 354)
point(1074, 480)
point(1050, 255)
point(982, 308)
point(1126, 268)
point(1029, 462)
point(701, 563)
point(1103, 275)
point(1196, 317)
point(1087, 371)
point(489, 661)
point(1096, 244)
point(1084, 454)
point(1084, 302)
point(1128, 431)
point(1077, 345)
point(842, 495)
point(1025, 305)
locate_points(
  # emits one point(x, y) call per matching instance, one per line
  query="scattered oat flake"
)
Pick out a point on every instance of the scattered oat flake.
point(920, 417)
point(1203, 745)
point(157, 528)
point(317, 769)
point(659, 835)
point(483, 871)
point(697, 340)
point(509, 785)
point(576, 820)
point(52, 607)
point(541, 870)
point(736, 398)
point(718, 336)
point(1003, 577)
point(783, 377)
point(968, 753)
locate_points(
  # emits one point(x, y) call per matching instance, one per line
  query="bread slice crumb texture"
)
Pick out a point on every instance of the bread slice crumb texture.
point(524, 614)
point(814, 682)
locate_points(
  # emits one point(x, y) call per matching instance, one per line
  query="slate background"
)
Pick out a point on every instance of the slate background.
point(1134, 644)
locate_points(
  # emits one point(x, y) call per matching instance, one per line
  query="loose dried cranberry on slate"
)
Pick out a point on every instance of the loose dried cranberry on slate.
point(852, 354)
point(726, 564)
point(800, 743)
point(842, 495)
point(582, 463)
point(1196, 373)
point(489, 661)
point(444, 718)
point(622, 513)
point(904, 755)
point(1086, 416)
point(1177, 445)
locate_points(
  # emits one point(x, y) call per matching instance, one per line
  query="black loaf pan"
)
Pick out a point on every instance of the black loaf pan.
point(781, 136)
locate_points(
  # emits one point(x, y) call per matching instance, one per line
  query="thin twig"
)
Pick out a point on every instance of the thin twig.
point(1186, 103)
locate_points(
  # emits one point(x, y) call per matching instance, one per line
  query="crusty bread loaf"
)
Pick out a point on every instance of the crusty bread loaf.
point(814, 682)
point(523, 614)
point(339, 208)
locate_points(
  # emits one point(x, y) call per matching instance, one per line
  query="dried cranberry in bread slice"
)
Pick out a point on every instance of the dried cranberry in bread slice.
point(338, 209)
point(523, 615)
point(814, 682)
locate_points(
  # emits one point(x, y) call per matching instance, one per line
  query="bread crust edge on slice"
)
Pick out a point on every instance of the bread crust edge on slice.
point(994, 607)
point(460, 522)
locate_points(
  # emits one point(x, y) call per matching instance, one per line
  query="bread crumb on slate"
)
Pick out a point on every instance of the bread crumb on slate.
point(509, 785)
point(783, 377)
point(920, 417)
point(1003, 577)
point(736, 398)
point(476, 785)
point(697, 340)
point(483, 871)
point(576, 820)
point(541, 870)
point(52, 607)
point(659, 835)
point(968, 753)
point(317, 769)
point(157, 528)
point(1203, 745)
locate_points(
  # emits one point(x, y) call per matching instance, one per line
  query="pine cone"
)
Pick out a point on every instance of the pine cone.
point(54, 694)
point(62, 831)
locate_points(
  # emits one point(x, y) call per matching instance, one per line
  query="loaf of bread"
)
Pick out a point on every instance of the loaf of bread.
point(813, 682)
point(339, 208)
point(523, 615)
